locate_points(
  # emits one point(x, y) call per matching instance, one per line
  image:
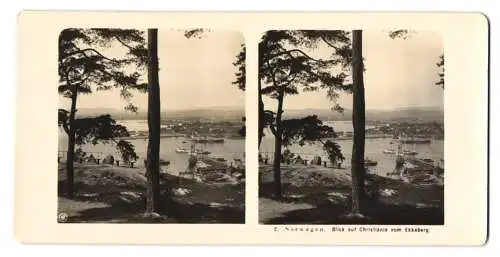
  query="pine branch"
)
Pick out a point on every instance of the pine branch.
point(273, 129)
point(295, 50)
point(288, 82)
point(65, 127)
point(81, 82)
point(271, 70)
point(82, 51)
point(329, 43)
point(124, 44)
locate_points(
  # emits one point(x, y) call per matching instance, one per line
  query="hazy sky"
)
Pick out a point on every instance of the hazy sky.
point(399, 73)
point(193, 73)
point(198, 73)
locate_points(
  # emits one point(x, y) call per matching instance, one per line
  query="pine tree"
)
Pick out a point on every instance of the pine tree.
point(83, 69)
point(285, 69)
point(358, 121)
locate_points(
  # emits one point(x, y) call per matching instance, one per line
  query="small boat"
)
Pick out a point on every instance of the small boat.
point(408, 152)
point(200, 140)
point(416, 141)
point(369, 162)
point(389, 151)
point(181, 150)
point(208, 140)
point(164, 163)
point(199, 151)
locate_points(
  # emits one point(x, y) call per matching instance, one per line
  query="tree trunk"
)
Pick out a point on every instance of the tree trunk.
point(261, 115)
point(153, 154)
point(358, 121)
point(277, 147)
point(70, 155)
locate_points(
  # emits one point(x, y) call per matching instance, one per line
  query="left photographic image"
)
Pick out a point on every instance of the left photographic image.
point(151, 126)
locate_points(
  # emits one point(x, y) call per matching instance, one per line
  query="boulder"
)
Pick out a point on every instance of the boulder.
point(180, 191)
point(151, 216)
point(109, 160)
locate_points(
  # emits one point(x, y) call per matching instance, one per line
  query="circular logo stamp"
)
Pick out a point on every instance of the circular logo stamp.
point(62, 217)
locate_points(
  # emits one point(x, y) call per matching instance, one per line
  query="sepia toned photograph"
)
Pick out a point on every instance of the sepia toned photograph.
point(151, 126)
point(252, 128)
point(351, 127)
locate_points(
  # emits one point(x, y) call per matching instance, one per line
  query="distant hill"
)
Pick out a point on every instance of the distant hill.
point(224, 113)
point(218, 113)
point(399, 114)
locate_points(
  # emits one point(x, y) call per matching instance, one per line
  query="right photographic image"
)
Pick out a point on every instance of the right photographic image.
point(351, 127)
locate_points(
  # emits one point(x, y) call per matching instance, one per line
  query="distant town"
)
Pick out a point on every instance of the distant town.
point(201, 129)
point(428, 130)
point(227, 123)
point(220, 113)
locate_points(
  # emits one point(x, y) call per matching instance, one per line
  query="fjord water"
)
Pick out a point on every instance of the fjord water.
point(230, 149)
point(235, 148)
point(373, 149)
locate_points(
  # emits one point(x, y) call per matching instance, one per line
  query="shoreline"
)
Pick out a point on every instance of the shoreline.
point(174, 136)
point(243, 138)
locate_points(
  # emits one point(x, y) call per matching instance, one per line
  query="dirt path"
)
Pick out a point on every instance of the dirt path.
point(271, 209)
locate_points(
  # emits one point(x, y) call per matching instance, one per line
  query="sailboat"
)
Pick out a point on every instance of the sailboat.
point(410, 152)
point(182, 149)
point(196, 151)
point(403, 150)
point(400, 161)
